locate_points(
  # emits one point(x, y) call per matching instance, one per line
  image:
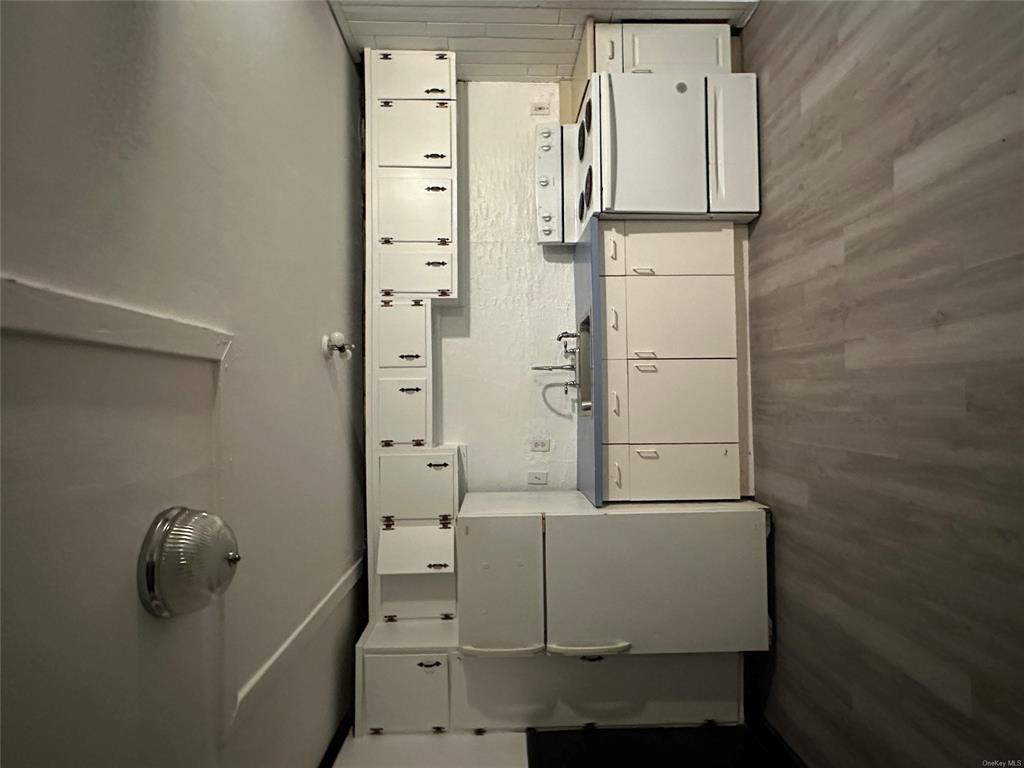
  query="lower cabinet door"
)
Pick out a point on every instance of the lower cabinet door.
point(616, 473)
point(406, 693)
point(402, 414)
point(684, 472)
point(654, 580)
point(402, 334)
point(418, 485)
point(678, 317)
point(501, 584)
point(683, 401)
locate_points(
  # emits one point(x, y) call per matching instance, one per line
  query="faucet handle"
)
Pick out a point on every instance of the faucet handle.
point(567, 335)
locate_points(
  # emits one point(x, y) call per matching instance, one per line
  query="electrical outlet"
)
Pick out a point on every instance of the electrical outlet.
point(540, 109)
point(540, 445)
point(537, 478)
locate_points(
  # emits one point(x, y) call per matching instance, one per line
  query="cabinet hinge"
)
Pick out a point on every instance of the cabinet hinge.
point(387, 241)
point(387, 292)
point(388, 521)
point(447, 617)
point(444, 241)
point(441, 105)
point(418, 443)
point(443, 292)
point(376, 731)
point(385, 103)
point(444, 521)
point(387, 443)
point(390, 618)
point(386, 303)
point(417, 302)
point(385, 56)
point(438, 729)
point(441, 56)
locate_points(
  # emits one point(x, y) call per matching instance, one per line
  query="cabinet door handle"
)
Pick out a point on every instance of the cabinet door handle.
point(409, 390)
point(428, 665)
point(435, 188)
point(646, 368)
point(618, 475)
point(409, 357)
point(616, 410)
point(615, 318)
point(588, 650)
point(645, 354)
point(434, 465)
point(437, 566)
point(647, 453)
point(435, 156)
point(525, 650)
point(614, 256)
point(643, 270)
point(436, 263)
point(434, 90)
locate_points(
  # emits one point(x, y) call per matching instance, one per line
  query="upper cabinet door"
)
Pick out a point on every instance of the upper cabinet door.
point(414, 207)
point(673, 47)
point(732, 144)
point(607, 47)
point(413, 74)
point(413, 134)
point(655, 158)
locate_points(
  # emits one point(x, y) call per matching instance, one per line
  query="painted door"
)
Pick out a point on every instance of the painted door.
point(96, 441)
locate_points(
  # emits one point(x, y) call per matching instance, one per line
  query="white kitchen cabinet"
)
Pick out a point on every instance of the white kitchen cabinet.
point(417, 595)
point(413, 74)
point(656, 48)
point(413, 207)
point(607, 47)
point(693, 472)
point(418, 270)
point(401, 334)
point(402, 409)
point(617, 479)
point(616, 401)
point(423, 547)
point(691, 316)
point(405, 693)
point(678, 248)
point(683, 401)
point(732, 144)
point(613, 247)
point(417, 485)
point(615, 314)
point(500, 579)
point(657, 579)
point(412, 133)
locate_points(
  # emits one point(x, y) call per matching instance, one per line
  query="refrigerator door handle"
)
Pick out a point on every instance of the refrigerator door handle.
point(719, 144)
point(588, 650)
point(526, 650)
point(609, 153)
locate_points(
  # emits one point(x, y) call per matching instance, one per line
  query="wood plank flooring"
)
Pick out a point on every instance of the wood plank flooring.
point(887, 316)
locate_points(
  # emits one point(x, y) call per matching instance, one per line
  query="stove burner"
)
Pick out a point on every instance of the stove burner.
point(581, 141)
point(587, 117)
point(583, 207)
point(589, 187)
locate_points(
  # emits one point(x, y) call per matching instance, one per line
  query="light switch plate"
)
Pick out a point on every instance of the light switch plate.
point(541, 445)
point(537, 478)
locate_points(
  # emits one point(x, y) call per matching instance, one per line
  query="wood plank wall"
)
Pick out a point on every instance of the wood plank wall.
point(887, 311)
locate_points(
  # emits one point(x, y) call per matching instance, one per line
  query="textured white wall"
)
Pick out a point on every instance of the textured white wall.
point(516, 297)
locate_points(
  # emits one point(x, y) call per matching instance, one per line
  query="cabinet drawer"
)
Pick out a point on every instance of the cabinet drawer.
point(418, 485)
point(616, 475)
point(613, 248)
point(401, 334)
point(402, 409)
point(679, 248)
point(684, 472)
point(662, 579)
point(413, 134)
point(613, 299)
point(683, 401)
point(413, 207)
point(413, 75)
point(616, 402)
point(423, 270)
point(501, 584)
point(406, 693)
point(693, 316)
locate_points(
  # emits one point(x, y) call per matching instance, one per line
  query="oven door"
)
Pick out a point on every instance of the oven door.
point(654, 147)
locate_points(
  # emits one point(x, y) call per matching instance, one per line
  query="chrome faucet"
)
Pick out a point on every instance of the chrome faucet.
point(567, 335)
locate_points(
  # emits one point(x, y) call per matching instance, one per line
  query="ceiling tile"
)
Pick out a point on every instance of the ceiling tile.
point(412, 43)
point(405, 28)
point(514, 57)
point(453, 29)
point(513, 44)
point(536, 31)
point(464, 13)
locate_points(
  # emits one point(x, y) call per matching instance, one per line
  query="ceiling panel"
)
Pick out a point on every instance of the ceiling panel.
point(528, 40)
